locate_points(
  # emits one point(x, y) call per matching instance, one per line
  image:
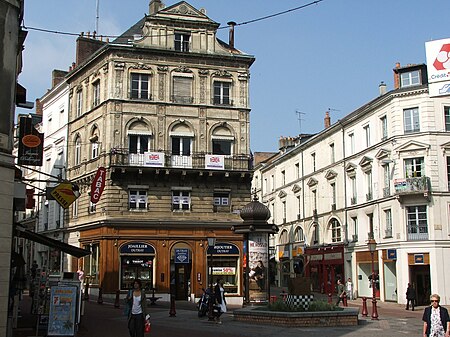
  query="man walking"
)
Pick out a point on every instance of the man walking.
point(340, 292)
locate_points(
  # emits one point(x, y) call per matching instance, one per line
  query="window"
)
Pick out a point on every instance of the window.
point(370, 219)
point(313, 161)
point(411, 120)
point(410, 78)
point(94, 149)
point(182, 90)
point(354, 191)
point(181, 146)
point(384, 128)
point(299, 234)
point(447, 118)
point(283, 205)
point(335, 231)
point(181, 200)
point(314, 195)
point(79, 103)
point(333, 194)
point(284, 237)
point(283, 177)
point(138, 143)
point(369, 185)
point(367, 135)
point(417, 222)
point(266, 185)
point(92, 207)
point(414, 167)
point(272, 179)
point(221, 146)
point(388, 219)
point(297, 170)
point(96, 94)
point(351, 137)
point(448, 173)
point(222, 93)
point(91, 263)
point(182, 42)
point(332, 153)
point(140, 86)
point(137, 199)
point(221, 199)
point(75, 209)
point(355, 229)
point(299, 205)
point(77, 151)
point(316, 234)
point(387, 180)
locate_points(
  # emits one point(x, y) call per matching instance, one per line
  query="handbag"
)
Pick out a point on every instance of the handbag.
point(127, 308)
point(148, 326)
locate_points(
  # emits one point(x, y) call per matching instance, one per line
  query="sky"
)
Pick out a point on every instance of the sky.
point(331, 55)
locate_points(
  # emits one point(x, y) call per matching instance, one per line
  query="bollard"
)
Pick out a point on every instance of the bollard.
point(364, 308)
point(273, 299)
point(86, 291)
point(330, 298)
point(344, 301)
point(100, 296)
point(374, 309)
point(117, 300)
point(172, 311)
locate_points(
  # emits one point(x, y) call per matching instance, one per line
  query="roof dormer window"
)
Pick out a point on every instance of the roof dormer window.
point(182, 42)
point(410, 78)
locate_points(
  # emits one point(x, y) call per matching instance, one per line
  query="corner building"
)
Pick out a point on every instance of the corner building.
point(165, 109)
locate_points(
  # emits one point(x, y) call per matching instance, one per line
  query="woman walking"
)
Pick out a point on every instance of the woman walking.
point(436, 322)
point(219, 294)
point(136, 302)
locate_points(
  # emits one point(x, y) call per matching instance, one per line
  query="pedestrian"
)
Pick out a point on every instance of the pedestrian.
point(340, 292)
point(410, 296)
point(137, 304)
point(219, 295)
point(349, 288)
point(436, 322)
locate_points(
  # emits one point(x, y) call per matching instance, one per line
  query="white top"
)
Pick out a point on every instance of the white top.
point(136, 308)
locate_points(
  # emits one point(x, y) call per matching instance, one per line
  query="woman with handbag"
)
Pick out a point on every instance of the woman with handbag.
point(436, 321)
point(137, 316)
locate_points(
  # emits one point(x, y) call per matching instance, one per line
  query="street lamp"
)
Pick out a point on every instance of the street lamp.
point(211, 244)
point(372, 245)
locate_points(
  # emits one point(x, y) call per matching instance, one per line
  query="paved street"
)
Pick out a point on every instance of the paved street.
point(105, 320)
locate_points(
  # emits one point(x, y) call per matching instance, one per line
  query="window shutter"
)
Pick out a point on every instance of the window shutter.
point(182, 86)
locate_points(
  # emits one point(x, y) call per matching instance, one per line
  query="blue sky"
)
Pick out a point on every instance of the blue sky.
point(333, 54)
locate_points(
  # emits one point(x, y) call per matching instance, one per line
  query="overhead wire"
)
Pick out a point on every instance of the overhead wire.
point(44, 30)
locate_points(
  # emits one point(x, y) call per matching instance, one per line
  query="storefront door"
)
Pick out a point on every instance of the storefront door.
point(182, 281)
point(420, 277)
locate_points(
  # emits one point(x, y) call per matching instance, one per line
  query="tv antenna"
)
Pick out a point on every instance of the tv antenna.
point(300, 119)
point(97, 6)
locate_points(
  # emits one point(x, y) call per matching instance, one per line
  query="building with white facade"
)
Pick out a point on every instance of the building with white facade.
point(382, 171)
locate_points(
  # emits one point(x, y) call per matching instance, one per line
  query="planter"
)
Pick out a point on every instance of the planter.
point(297, 301)
point(346, 317)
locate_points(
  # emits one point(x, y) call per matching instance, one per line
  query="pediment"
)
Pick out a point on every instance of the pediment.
point(413, 145)
point(365, 161)
point(382, 154)
point(183, 9)
point(296, 188)
point(330, 174)
point(282, 194)
point(312, 182)
point(445, 148)
point(350, 167)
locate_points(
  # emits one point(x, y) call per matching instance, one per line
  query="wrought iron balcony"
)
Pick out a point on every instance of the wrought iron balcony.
point(122, 157)
point(386, 192)
point(412, 186)
point(182, 99)
point(353, 200)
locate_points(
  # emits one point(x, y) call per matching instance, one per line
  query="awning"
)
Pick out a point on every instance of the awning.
point(42, 239)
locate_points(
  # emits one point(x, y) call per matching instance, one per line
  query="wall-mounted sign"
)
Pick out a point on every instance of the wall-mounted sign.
point(154, 159)
point(392, 254)
point(223, 248)
point(98, 184)
point(182, 255)
point(224, 271)
point(215, 162)
point(419, 259)
point(137, 248)
point(438, 67)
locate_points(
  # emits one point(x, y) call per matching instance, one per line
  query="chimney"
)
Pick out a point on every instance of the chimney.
point(327, 120)
point(58, 76)
point(231, 24)
point(86, 47)
point(396, 76)
point(155, 6)
point(382, 88)
point(38, 107)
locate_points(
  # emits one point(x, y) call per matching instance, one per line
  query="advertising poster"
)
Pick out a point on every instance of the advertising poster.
point(258, 261)
point(63, 305)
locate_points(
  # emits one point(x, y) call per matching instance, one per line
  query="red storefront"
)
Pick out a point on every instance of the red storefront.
point(325, 265)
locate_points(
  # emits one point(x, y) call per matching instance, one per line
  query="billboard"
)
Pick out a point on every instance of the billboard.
point(438, 67)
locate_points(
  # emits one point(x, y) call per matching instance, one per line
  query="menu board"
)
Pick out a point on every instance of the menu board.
point(63, 305)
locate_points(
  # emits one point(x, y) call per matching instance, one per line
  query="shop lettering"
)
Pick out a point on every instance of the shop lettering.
point(433, 77)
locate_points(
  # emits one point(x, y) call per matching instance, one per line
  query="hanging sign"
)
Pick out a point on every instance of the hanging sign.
point(98, 185)
point(65, 194)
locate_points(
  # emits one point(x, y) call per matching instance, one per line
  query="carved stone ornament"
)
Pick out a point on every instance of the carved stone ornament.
point(203, 72)
point(182, 69)
point(119, 65)
point(243, 76)
point(105, 68)
point(140, 66)
point(183, 9)
point(222, 73)
point(162, 69)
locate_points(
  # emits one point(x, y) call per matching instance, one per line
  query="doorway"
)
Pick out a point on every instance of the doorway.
point(420, 278)
point(182, 281)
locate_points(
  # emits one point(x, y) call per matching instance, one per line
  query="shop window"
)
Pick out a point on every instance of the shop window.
point(181, 200)
point(137, 199)
point(136, 267)
point(91, 263)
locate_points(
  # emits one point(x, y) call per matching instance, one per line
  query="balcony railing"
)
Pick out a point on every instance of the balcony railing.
point(369, 196)
point(386, 192)
point(182, 99)
point(417, 236)
point(122, 157)
point(353, 200)
point(412, 185)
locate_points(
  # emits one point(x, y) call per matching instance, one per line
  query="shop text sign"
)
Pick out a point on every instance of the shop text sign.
point(137, 248)
point(98, 185)
point(223, 248)
point(224, 271)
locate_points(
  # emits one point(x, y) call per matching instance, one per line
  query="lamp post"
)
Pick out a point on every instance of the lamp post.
point(372, 245)
point(211, 244)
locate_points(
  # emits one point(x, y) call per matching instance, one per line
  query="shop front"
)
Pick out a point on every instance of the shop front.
point(284, 256)
point(324, 266)
point(364, 272)
point(224, 259)
point(419, 276)
point(136, 262)
point(390, 274)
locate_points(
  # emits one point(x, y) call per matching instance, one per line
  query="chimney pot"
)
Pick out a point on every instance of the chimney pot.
point(396, 76)
point(327, 120)
point(231, 24)
point(382, 88)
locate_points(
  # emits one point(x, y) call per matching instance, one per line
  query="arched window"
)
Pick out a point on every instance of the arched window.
point(222, 141)
point(335, 227)
point(139, 137)
point(284, 238)
point(95, 145)
point(299, 235)
point(77, 150)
